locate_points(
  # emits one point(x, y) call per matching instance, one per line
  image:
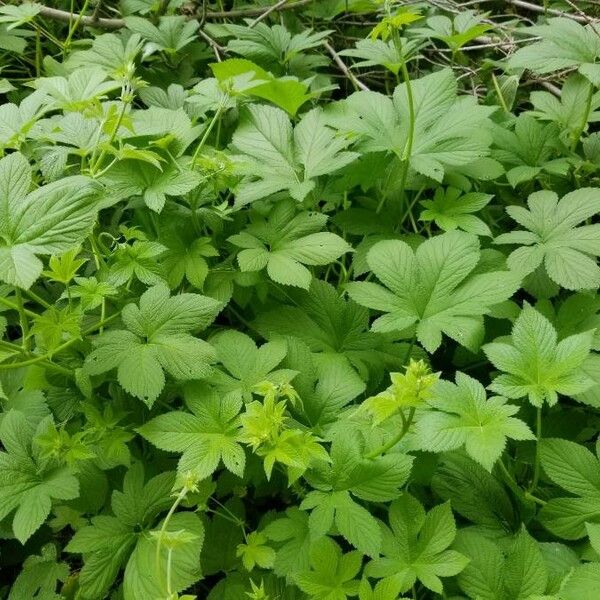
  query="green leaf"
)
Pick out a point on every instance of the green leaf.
point(157, 339)
point(474, 493)
point(450, 132)
point(433, 288)
point(519, 572)
point(204, 438)
point(450, 209)
point(464, 416)
point(532, 149)
point(576, 470)
point(535, 364)
point(285, 242)
point(246, 365)
point(332, 573)
point(564, 43)
point(39, 575)
point(254, 552)
point(292, 534)
point(50, 220)
point(275, 157)
point(415, 546)
point(136, 178)
point(28, 484)
point(568, 252)
point(142, 578)
point(107, 543)
point(172, 34)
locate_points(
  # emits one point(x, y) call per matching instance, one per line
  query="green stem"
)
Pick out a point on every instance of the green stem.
point(207, 132)
point(405, 158)
point(411, 113)
point(391, 443)
point(586, 114)
point(6, 302)
point(38, 299)
point(73, 27)
point(24, 323)
point(538, 435)
point(169, 563)
point(539, 501)
point(182, 494)
point(126, 101)
point(510, 480)
point(48, 356)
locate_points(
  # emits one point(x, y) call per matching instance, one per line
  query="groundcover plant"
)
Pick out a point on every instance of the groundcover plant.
point(299, 300)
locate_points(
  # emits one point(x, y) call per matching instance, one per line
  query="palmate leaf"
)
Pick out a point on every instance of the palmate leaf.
point(415, 546)
point(465, 417)
point(433, 289)
point(157, 339)
point(39, 576)
point(81, 89)
point(553, 237)
point(143, 580)
point(245, 365)
point(531, 149)
point(535, 365)
point(50, 220)
point(330, 324)
point(451, 132)
point(109, 540)
point(576, 470)
point(286, 243)
point(350, 477)
point(332, 573)
point(570, 110)
point(291, 534)
point(28, 484)
point(205, 437)
point(564, 44)
point(450, 209)
point(272, 156)
point(495, 573)
point(171, 35)
point(132, 177)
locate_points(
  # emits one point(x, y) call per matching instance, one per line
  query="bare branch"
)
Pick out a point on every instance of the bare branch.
point(343, 68)
point(106, 23)
point(551, 11)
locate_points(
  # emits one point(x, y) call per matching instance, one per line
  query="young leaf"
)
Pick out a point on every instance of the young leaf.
point(332, 573)
point(28, 483)
point(536, 365)
point(466, 417)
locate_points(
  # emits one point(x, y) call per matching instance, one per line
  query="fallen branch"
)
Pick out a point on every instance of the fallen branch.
point(107, 23)
point(340, 63)
point(551, 11)
point(67, 17)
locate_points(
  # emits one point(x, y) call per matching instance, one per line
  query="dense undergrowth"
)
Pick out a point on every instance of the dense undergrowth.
point(300, 300)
